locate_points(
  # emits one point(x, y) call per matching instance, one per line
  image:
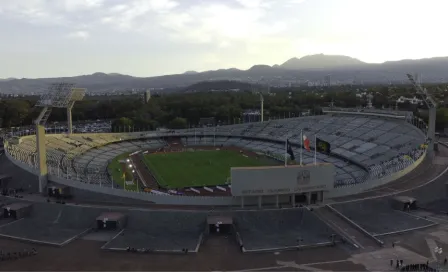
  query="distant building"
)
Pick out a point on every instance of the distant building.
point(413, 101)
point(327, 81)
point(147, 96)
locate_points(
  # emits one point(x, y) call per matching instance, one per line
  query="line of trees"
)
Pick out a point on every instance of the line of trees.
point(182, 110)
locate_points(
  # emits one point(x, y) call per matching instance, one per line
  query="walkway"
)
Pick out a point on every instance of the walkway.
point(345, 229)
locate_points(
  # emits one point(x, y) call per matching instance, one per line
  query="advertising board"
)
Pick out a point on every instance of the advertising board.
point(277, 180)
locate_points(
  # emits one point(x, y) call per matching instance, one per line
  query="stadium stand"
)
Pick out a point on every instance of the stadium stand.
point(379, 145)
point(363, 148)
point(278, 229)
point(95, 161)
point(377, 217)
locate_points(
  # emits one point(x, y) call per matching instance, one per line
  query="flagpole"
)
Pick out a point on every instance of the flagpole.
point(286, 149)
point(315, 149)
point(301, 145)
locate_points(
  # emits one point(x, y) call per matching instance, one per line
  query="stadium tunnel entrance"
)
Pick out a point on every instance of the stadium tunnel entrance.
point(307, 198)
point(59, 192)
point(404, 203)
point(219, 225)
point(301, 199)
point(17, 210)
point(111, 221)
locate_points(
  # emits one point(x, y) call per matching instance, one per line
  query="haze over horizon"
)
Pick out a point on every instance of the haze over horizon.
point(54, 38)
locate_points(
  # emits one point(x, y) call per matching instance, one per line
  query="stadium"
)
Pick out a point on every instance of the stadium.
point(260, 183)
point(366, 152)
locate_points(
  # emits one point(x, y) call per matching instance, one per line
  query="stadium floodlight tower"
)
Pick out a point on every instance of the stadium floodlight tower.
point(59, 95)
point(432, 112)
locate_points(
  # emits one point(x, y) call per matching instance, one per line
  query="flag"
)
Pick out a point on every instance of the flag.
point(306, 143)
point(289, 150)
point(323, 146)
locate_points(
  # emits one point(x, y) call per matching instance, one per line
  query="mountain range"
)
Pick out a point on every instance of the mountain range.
point(308, 68)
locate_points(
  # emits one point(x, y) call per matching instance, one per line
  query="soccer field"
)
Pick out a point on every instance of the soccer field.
point(198, 168)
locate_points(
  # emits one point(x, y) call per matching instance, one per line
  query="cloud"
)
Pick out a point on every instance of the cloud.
point(79, 5)
point(136, 14)
point(83, 35)
point(66, 13)
point(253, 3)
point(31, 11)
point(218, 23)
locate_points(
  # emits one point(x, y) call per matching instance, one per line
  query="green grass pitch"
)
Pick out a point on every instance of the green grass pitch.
point(197, 168)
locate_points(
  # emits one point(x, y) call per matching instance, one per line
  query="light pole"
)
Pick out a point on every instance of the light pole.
point(124, 174)
point(438, 251)
point(299, 241)
point(332, 236)
point(260, 90)
point(124, 179)
point(133, 173)
point(59, 95)
point(432, 108)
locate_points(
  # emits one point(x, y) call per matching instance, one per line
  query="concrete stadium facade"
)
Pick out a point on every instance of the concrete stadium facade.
point(331, 191)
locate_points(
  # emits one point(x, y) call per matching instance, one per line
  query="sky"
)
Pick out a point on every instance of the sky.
point(55, 38)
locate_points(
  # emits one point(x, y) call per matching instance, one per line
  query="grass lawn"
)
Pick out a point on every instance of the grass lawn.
point(197, 168)
point(115, 168)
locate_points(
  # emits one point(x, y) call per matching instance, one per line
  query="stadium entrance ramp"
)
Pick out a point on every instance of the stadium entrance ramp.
point(111, 221)
point(220, 225)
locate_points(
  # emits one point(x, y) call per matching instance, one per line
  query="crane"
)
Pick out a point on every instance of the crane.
point(427, 98)
point(432, 110)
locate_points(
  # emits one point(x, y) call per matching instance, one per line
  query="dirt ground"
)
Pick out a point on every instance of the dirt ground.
point(216, 254)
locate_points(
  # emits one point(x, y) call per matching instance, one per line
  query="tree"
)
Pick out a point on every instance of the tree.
point(14, 112)
point(441, 118)
point(225, 106)
point(122, 124)
point(178, 123)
